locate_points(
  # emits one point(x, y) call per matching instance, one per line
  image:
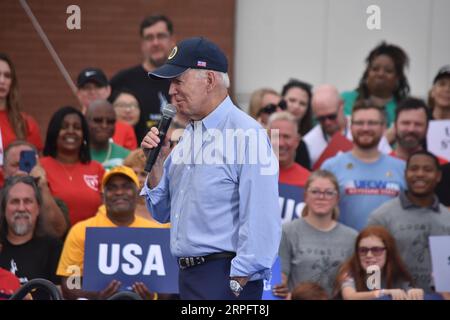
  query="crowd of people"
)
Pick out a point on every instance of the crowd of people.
point(368, 192)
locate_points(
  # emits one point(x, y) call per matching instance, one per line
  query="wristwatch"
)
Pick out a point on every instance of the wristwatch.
point(235, 286)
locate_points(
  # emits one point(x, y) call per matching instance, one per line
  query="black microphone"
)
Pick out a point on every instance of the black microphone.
point(168, 112)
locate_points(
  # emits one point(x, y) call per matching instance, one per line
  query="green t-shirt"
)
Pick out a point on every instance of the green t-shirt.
point(350, 97)
point(111, 157)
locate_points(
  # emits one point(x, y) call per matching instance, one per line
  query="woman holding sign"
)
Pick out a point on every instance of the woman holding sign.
point(313, 247)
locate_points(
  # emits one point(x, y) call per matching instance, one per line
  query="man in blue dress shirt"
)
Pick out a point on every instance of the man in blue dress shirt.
point(219, 185)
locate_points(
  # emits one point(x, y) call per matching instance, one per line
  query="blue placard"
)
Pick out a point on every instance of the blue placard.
point(291, 201)
point(129, 255)
point(276, 279)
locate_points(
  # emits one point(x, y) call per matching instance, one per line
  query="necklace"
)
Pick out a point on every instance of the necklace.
point(108, 154)
point(66, 171)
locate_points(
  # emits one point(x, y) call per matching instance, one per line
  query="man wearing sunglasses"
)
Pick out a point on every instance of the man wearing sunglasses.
point(92, 85)
point(328, 109)
point(101, 119)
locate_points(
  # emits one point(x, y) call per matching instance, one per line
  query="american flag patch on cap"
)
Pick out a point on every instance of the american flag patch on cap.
point(201, 64)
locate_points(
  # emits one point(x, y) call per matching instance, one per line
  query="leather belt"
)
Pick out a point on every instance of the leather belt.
point(187, 262)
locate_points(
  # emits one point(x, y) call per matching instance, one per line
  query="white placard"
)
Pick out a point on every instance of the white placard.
point(440, 260)
point(438, 138)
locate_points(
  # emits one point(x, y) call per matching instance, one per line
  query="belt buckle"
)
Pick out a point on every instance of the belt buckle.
point(188, 262)
point(183, 263)
point(199, 260)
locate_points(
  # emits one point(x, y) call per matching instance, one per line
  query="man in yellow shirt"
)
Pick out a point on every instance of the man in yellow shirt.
point(120, 188)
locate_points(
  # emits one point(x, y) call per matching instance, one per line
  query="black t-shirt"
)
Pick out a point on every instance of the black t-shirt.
point(302, 155)
point(443, 188)
point(152, 95)
point(37, 258)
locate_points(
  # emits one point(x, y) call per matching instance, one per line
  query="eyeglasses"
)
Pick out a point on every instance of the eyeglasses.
point(159, 36)
point(331, 117)
point(376, 251)
point(327, 194)
point(103, 120)
point(123, 105)
point(370, 123)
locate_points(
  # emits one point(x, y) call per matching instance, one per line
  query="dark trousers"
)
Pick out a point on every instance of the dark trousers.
point(211, 281)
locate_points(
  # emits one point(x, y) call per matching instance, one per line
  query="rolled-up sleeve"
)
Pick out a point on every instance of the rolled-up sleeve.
point(260, 220)
point(157, 199)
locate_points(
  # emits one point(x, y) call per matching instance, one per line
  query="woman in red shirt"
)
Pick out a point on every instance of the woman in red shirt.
point(71, 174)
point(14, 124)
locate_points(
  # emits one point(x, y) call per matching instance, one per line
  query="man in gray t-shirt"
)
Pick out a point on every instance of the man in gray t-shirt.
point(311, 255)
point(415, 215)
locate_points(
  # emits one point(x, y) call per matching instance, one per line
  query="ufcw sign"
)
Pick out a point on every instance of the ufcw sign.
point(129, 255)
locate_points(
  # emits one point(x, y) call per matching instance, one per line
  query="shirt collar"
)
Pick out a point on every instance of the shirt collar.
point(407, 204)
point(212, 120)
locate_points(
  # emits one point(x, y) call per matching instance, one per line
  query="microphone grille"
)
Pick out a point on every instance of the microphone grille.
point(169, 110)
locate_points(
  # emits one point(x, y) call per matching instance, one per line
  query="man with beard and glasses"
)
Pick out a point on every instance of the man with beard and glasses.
point(415, 215)
point(120, 188)
point(411, 125)
point(26, 251)
point(157, 40)
point(367, 177)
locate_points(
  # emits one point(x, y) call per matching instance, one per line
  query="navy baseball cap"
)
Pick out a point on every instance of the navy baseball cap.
point(92, 75)
point(192, 53)
point(443, 72)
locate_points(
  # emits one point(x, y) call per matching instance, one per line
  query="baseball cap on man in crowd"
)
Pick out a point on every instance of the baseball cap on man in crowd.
point(95, 75)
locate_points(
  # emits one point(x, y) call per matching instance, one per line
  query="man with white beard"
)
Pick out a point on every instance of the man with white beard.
point(25, 250)
point(55, 212)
